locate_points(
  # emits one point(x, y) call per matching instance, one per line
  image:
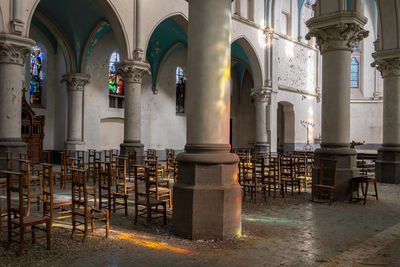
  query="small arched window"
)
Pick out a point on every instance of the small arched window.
point(180, 90)
point(355, 73)
point(37, 76)
point(115, 82)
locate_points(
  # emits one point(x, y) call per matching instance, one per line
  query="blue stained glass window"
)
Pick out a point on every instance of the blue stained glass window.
point(115, 82)
point(355, 73)
point(180, 90)
point(37, 76)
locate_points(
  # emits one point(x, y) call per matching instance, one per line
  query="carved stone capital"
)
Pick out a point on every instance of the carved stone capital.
point(15, 49)
point(261, 94)
point(76, 81)
point(133, 71)
point(387, 62)
point(340, 36)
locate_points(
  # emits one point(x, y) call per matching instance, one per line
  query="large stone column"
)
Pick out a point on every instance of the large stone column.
point(14, 50)
point(261, 98)
point(132, 73)
point(388, 163)
point(75, 86)
point(336, 35)
point(207, 195)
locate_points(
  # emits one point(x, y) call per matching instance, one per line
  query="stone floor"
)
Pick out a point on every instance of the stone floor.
point(280, 232)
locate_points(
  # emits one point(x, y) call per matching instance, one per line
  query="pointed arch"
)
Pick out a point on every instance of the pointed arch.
point(252, 58)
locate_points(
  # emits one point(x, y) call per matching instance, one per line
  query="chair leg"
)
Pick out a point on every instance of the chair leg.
point(21, 240)
point(366, 193)
point(376, 190)
point(165, 213)
point(48, 234)
point(107, 224)
point(33, 232)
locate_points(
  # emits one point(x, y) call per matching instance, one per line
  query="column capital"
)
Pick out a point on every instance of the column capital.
point(15, 49)
point(133, 71)
point(387, 62)
point(262, 94)
point(76, 81)
point(338, 31)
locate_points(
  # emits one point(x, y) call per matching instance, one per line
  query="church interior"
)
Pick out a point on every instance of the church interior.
point(200, 133)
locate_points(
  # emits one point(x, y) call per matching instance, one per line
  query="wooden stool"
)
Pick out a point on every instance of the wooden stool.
point(355, 185)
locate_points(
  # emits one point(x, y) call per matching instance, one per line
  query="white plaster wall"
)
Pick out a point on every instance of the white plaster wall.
point(162, 127)
point(96, 96)
point(297, 66)
point(307, 109)
point(111, 133)
point(366, 122)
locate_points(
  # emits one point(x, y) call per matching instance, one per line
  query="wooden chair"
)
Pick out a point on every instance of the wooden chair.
point(272, 178)
point(288, 173)
point(158, 186)
point(104, 175)
point(151, 154)
point(145, 203)
point(88, 213)
point(123, 187)
point(254, 180)
point(325, 188)
point(51, 203)
point(304, 167)
point(170, 159)
point(64, 174)
point(17, 219)
point(32, 185)
point(8, 165)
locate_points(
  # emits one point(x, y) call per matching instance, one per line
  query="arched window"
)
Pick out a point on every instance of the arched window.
point(115, 82)
point(37, 76)
point(180, 90)
point(355, 73)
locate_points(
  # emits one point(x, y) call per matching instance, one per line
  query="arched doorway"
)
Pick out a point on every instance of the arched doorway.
point(286, 127)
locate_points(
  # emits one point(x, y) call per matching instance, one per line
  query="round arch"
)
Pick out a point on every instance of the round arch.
point(252, 58)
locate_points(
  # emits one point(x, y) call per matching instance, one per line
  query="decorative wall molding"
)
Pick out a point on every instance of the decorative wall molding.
point(15, 49)
point(76, 81)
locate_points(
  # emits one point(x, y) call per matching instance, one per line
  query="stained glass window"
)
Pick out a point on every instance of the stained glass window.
point(37, 76)
point(180, 90)
point(115, 82)
point(355, 73)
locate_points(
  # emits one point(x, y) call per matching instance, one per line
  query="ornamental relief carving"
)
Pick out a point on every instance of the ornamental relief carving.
point(76, 84)
point(14, 53)
point(388, 67)
point(261, 94)
point(342, 36)
point(133, 72)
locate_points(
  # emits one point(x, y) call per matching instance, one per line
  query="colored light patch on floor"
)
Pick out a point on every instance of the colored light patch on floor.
point(150, 244)
point(269, 220)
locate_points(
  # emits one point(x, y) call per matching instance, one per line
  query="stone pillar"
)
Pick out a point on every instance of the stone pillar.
point(14, 50)
point(132, 73)
point(207, 195)
point(261, 98)
point(388, 163)
point(75, 86)
point(336, 37)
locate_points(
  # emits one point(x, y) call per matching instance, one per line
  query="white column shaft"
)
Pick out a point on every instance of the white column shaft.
point(391, 111)
point(75, 109)
point(261, 122)
point(132, 112)
point(336, 97)
point(10, 101)
point(209, 59)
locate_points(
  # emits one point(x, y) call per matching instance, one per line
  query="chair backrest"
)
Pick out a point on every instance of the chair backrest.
point(151, 154)
point(47, 175)
point(327, 175)
point(121, 172)
point(79, 188)
point(15, 184)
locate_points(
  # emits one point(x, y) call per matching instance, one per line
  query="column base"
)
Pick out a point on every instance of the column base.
point(75, 145)
point(207, 196)
point(14, 145)
point(137, 147)
point(261, 148)
point(387, 166)
point(346, 169)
